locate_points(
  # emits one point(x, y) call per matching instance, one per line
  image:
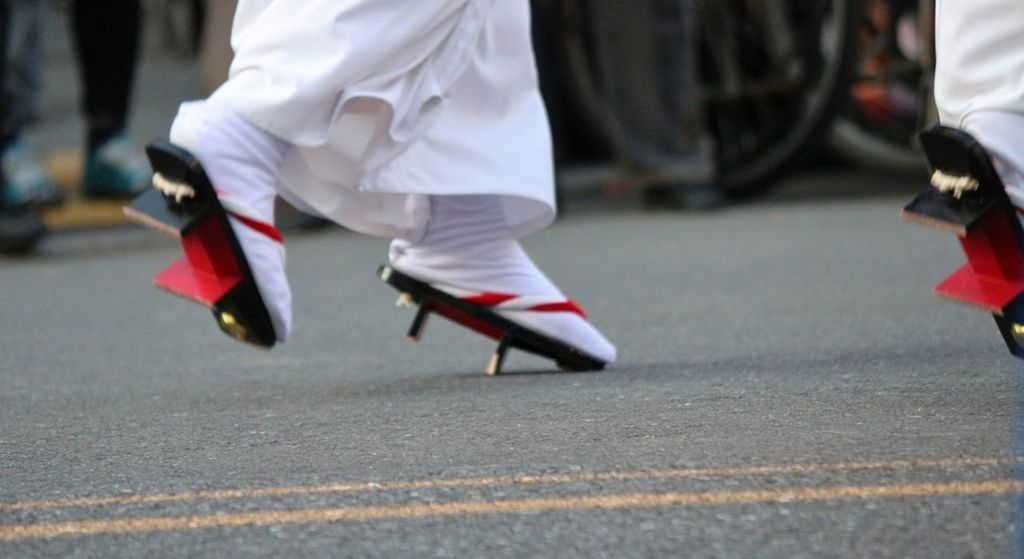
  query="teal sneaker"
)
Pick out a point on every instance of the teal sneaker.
point(116, 169)
point(29, 186)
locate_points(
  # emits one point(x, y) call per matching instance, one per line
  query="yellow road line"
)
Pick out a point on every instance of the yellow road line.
point(680, 473)
point(79, 214)
point(65, 168)
point(510, 506)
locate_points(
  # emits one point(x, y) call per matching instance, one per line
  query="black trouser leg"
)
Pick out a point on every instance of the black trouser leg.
point(106, 37)
point(6, 127)
point(19, 232)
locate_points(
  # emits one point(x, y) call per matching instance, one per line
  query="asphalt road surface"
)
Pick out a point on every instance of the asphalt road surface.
point(787, 387)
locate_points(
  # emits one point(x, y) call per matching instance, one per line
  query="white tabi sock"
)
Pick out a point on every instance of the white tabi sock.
point(467, 249)
point(241, 161)
point(1002, 135)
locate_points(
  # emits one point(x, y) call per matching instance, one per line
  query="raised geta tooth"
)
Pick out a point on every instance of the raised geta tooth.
point(405, 300)
point(178, 190)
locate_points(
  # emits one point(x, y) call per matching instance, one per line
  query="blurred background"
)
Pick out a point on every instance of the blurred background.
point(671, 104)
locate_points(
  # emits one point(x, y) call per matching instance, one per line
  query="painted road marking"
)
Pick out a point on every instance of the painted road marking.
point(510, 506)
point(547, 479)
point(82, 214)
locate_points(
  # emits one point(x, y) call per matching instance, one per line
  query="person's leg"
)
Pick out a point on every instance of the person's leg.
point(24, 51)
point(107, 45)
point(466, 244)
point(468, 250)
point(29, 186)
point(19, 232)
point(7, 125)
point(978, 84)
point(243, 159)
point(242, 162)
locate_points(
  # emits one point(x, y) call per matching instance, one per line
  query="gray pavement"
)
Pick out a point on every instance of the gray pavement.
point(792, 331)
point(787, 388)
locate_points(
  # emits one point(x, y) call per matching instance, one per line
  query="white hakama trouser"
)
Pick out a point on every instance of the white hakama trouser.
point(380, 115)
point(389, 101)
point(979, 82)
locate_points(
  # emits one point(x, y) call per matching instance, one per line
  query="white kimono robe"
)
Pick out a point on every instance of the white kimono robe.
point(980, 47)
point(979, 82)
point(389, 101)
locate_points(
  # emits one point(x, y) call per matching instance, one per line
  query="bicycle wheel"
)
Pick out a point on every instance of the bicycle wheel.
point(773, 75)
point(879, 127)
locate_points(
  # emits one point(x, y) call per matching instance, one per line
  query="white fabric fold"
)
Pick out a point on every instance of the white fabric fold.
point(979, 82)
point(386, 100)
